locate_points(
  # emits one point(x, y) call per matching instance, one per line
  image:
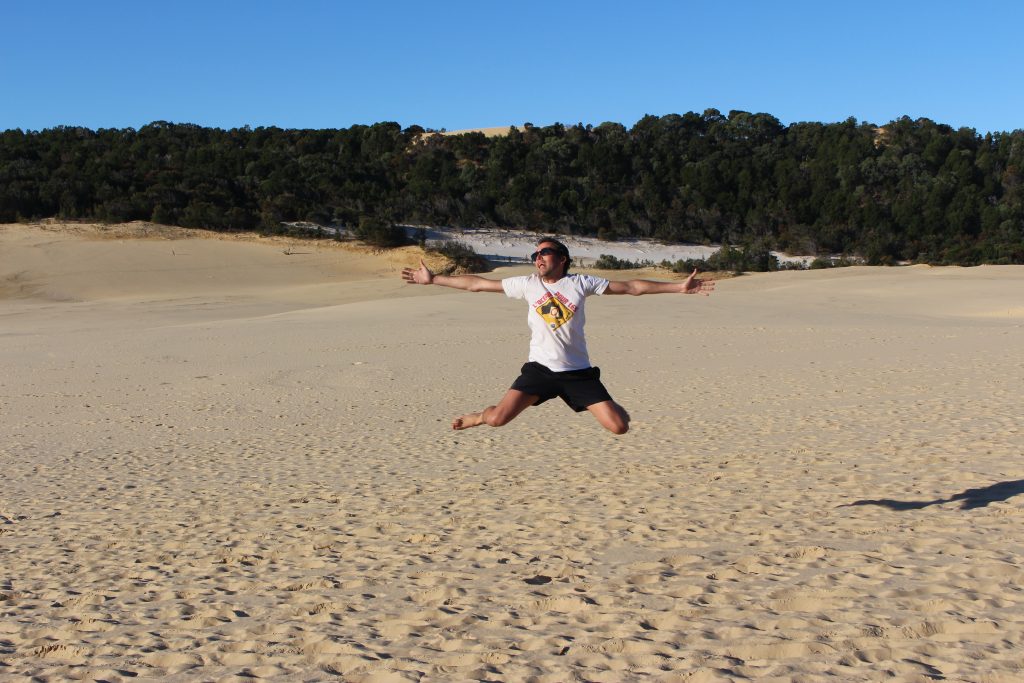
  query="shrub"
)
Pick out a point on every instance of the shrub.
point(380, 234)
point(462, 256)
point(826, 262)
point(685, 265)
point(610, 262)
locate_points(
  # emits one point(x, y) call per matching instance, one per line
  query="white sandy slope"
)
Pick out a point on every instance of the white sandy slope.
point(502, 245)
point(245, 469)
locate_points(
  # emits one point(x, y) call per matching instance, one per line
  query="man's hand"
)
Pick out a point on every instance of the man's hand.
point(694, 285)
point(419, 276)
point(691, 285)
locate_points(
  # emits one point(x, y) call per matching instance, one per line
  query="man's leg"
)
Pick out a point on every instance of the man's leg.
point(508, 408)
point(611, 415)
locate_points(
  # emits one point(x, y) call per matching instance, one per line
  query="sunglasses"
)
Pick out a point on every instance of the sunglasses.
point(546, 251)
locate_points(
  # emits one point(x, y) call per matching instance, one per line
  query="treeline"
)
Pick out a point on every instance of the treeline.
point(910, 190)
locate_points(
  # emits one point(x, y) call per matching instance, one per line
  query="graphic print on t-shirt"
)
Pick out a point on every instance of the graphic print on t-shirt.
point(555, 309)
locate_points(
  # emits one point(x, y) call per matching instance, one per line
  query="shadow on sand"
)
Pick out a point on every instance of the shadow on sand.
point(970, 499)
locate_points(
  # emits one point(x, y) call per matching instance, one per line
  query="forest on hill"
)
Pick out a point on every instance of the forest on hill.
point(911, 190)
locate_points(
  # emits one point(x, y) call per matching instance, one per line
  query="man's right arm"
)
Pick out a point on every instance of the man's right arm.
point(470, 283)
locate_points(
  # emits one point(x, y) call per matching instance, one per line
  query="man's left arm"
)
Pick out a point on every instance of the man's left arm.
point(691, 285)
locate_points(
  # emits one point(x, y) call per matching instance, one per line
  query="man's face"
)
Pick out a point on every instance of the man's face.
point(549, 261)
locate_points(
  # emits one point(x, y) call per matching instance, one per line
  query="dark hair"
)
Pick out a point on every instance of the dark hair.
point(562, 249)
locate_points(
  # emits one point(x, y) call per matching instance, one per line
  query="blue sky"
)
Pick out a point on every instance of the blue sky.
point(456, 65)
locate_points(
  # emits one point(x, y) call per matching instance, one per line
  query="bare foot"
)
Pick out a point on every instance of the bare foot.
point(467, 421)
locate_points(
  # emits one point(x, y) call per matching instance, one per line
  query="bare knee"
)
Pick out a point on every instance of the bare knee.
point(616, 422)
point(496, 421)
point(613, 417)
point(618, 428)
point(624, 419)
point(496, 418)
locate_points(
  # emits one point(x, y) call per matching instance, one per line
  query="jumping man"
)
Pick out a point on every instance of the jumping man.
point(559, 365)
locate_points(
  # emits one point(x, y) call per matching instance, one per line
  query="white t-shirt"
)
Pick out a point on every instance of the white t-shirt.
point(556, 317)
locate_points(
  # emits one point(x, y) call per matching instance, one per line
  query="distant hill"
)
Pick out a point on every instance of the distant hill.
point(908, 190)
point(494, 132)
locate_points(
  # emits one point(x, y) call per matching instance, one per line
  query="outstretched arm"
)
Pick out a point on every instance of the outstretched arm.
point(470, 283)
point(691, 285)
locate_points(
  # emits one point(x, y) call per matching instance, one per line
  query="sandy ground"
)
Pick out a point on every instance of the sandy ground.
point(492, 132)
point(515, 246)
point(221, 461)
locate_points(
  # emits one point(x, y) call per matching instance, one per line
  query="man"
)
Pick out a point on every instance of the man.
point(559, 364)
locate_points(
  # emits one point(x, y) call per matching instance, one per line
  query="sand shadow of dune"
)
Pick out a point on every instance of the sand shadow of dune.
point(970, 499)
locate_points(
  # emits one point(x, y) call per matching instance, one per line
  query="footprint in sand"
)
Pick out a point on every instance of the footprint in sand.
point(171, 662)
point(778, 650)
point(660, 622)
point(567, 603)
point(436, 596)
point(59, 651)
point(643, 579)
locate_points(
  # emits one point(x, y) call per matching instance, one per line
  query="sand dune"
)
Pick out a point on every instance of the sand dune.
point(227, 462)
point(492, 132)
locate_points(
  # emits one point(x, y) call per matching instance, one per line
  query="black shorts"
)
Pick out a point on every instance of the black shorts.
point(578, 388)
